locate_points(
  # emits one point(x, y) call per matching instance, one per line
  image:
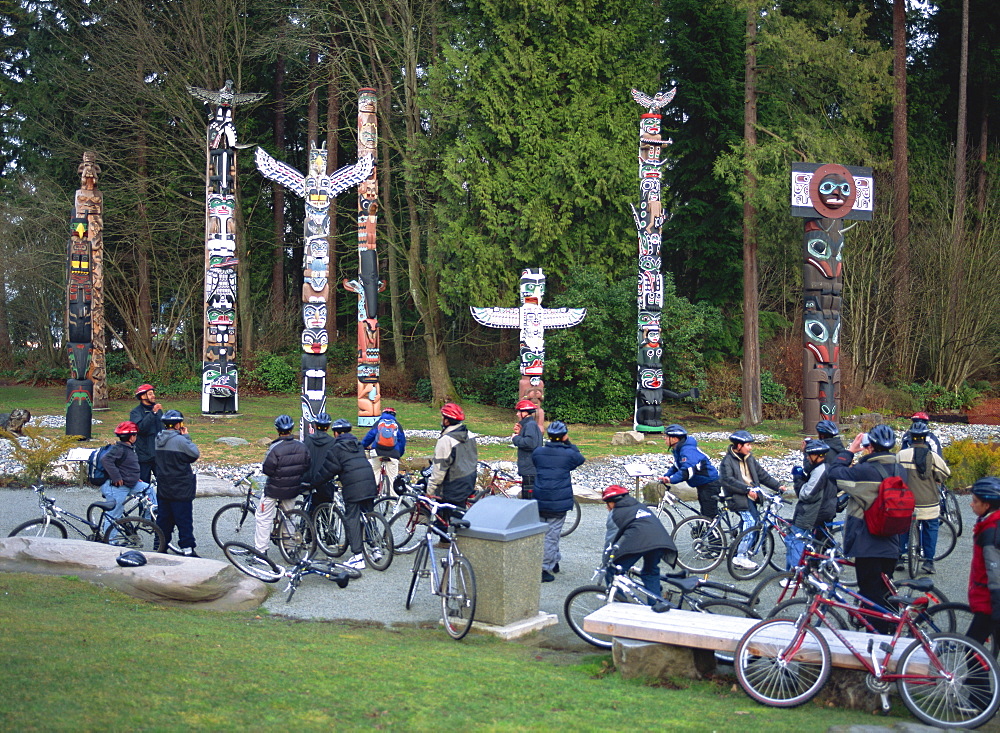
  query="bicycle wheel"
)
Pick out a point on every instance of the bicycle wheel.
point(960, 691)
point(572, 519)
point(665, 516)
point(41, 527)
point(728, 608)
point(759, 551)
point(458, 597)
point(770, 592)
point(331, 535)
point(951, 511)
point(913, 549)
point(390, 506)
point(419, 571)
point(377, 546)
point(947, 537)
point(781, 665)
point(136, 533)
point(233, 523)
point(255, 564)
point(580, 603)
point(404, 531)
point(700, 546)
point(795, 607)
point(296, 535)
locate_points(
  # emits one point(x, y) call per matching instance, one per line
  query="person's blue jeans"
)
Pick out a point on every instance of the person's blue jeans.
point(649, 574)
point(749, 518)
point(795, 545)
point(119, 494)
point(929, 529)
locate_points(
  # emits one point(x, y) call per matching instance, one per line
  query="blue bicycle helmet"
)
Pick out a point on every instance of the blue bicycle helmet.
point(284, 423)
point(675, 431)
point(882, 436)
point(987, 488)
point(827, 427)
point(131, 559)
point(340, 425)
point(322, 420)
point(816, 448)
point(919, 428)
point(557, 428)
point(741, 436)
point(172, 417)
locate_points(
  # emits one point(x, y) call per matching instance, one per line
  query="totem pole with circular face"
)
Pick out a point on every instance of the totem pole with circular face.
point(825, 195)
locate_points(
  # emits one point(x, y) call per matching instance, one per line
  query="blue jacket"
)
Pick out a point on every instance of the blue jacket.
point(861, 482)
point(553, 463)
point(175, 453)
point(371, 438)
point(691, 465)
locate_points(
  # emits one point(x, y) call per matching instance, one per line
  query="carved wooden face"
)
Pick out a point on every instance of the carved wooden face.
point(532, 286)
point(834, 191)
point(825, 253)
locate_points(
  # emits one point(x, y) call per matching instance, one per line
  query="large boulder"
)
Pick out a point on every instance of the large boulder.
point(14, 420)
point(170, 580)
point(627, 437)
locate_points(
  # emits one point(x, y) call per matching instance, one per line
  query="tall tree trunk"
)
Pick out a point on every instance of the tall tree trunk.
point(332, 163)
point(6, 346)
point(392, 239)
point(905, 348)
point(981, 178)
point(143, 344)
point(277, 296)
point(751, 307)
point(312, 133)
point(961, 133)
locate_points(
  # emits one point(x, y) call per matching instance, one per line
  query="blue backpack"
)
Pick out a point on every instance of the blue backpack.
point(386, 434)
point(96, 474)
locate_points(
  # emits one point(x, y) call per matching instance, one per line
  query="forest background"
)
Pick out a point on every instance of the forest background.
point(508, 139)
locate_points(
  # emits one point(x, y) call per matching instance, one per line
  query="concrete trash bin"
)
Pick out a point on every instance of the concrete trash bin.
point(504, 544)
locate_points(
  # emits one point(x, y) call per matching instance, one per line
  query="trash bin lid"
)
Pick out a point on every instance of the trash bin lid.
point(502, 519)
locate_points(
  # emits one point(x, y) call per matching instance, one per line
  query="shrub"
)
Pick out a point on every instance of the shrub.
point(937, 398)
point(970, 461)
point(37, 451)
point(272, 373)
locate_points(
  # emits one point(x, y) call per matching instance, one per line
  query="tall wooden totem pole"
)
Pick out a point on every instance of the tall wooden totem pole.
point(367, 286)
point(316, 188)
point(649, 218)
point(532, 319)
point(219, 377)
point(85, 302)
point(825, 195)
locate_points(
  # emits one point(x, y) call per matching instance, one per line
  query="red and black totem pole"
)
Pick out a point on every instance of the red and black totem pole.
point(825, 195)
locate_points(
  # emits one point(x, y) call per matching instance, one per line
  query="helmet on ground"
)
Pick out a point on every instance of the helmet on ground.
point(340, 425)
point(284, 423)
point(741, 436)
point(557, 428)
point(452, 411)
point(390, 410)
point(675, 431)
point(171, 417)
point(827, 427)
point(920, 416)
point(882, 436)
point(131, 559)
point(526, 406)
point(322, 420)
point(613, 493)
point(127, 428)
point(987, 488)
point(919, 428)
point(816, 448)
point(143, 389)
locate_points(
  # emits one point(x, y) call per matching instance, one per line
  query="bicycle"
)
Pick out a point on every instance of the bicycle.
point(502, 483)
point(945, 679)
point(258, 565)
point(133, 533)
point(947, 537)
point(292, 531)
point(330, 521)
point(950, 509)
point(456, 585)
point(702, 543)
point(762, 548)
point(668, 505)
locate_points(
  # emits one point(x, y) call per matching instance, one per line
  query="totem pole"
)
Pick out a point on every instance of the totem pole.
point(367, 286)
point(532, 319)
point(825, 195)
point(316, 187)
point(219, 378)
point(83, 294)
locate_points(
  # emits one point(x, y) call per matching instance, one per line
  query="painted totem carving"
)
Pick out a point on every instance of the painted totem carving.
point(219, 375)
point(532, 319)
point(316, 188)
point(367, 285)
point(825, 195)
point(85, 302)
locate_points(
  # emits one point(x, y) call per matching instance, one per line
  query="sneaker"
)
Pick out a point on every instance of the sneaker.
point(376, 553)
point(928, 568)
point(785, 582)
point(744, 562)
point(555, 569)
point(189, 552)
point(547, 577)
point(254, 560)
point(357, 562)
point(174, 548)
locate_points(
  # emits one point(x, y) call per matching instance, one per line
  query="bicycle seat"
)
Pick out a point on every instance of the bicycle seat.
point(685, 585)
point(909, 600)
point(460, 523)
point(920, 584)
point(105, 505)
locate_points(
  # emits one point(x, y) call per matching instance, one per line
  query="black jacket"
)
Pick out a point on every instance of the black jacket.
point(639, 531)
point(346, 460)
point(736, 487)
point(817, 495)
point(175, 478)
point(121, 464)
point(150, 425)
point(319, 445)
point(285, 465)
point(526, 441)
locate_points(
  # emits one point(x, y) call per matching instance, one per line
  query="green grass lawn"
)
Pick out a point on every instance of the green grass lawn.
point(79, 657)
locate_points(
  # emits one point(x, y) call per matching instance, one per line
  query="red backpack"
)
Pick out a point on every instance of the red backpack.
point(892, 511)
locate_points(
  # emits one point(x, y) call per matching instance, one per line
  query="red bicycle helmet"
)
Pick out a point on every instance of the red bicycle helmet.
point(920, 416)
point(390, 410)
point(613, 492)
point(526, 406)
point(453, 411)
point(127, 428)
point(143, 389)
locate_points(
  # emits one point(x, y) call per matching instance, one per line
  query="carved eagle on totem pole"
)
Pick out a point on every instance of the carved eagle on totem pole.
point(225, 97)
point(652, 104)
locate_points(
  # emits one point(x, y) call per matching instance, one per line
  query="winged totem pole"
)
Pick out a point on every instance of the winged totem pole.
point(532, 319)
point(825, 195)
point(219, 377)
point(317, 187)
point(85, 303)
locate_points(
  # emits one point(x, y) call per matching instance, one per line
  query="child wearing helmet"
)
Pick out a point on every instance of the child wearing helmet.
point(984, 575)
point(175, 481)
point(925, 469)
point(121, 465)
point(638, 535)
point(147, 418)
point(526, 438)
point(553, 463)
point(453, 469)
point(388, 440)
point(286, 464)
point(920, 420)
point(817, 500)
point(693, 468)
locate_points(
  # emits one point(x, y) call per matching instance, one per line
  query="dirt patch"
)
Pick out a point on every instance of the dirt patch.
point(985, 413)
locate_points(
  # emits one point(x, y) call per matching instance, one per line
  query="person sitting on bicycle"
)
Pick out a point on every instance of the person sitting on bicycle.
point(932, 440)
point(925, 469)
point(175, 481)
point(742, 477)
point(554, 490)
point(693, 468)
point(817, 500)
point(347, 461)
point(319, 444)
point(456, 456)
point(984, 576)
point(286, 464)
point(527, 437)
point(639, 535)
point(121, 465)
point(389, 441)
